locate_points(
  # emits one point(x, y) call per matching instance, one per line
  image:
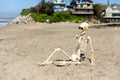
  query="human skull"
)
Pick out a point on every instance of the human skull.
point(83, 28)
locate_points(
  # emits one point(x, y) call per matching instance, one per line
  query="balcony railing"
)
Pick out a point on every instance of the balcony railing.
point(80, 12)
point(84, 7)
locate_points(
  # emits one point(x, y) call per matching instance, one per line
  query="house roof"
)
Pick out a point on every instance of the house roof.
point(115, 7)
point(83, 3)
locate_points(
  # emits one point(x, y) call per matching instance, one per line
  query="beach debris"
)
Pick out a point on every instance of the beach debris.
point(82, 41)
point(48, 21)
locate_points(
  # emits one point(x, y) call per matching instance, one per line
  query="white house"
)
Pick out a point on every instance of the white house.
point(59, 5)
point(112, 11)
point(81, 8)
point(85, 8)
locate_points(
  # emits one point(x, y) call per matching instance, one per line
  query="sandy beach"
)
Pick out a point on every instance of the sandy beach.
point(23, 47)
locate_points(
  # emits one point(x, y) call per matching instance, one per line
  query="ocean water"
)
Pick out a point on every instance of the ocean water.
point(5, 20)
point(3, 23)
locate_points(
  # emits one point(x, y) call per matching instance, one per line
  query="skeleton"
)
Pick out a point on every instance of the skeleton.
point(82, 40)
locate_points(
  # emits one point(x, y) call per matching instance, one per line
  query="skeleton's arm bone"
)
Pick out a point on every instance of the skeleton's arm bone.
point(92, 53)
point(90, 44)
point(77, 37)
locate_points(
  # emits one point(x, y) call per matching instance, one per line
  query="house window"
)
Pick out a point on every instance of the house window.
point(88, 10)
point(116, 15)
point(108, 15)
point(81, 5)
point(88, 5)
point(108, 9)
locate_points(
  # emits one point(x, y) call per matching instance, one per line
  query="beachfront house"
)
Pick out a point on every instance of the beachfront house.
point(83, 8)
point(112, 12)
point(59, 5)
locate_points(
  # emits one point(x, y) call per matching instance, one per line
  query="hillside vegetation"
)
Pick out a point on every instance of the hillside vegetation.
point(44, 11)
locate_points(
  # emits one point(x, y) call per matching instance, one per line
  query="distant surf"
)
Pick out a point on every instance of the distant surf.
point(5, 21)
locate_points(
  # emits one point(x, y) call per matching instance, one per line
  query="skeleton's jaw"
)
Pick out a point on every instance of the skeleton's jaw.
point(82, 33)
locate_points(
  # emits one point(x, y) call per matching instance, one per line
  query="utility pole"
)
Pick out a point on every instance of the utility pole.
point(50, 0)
point(108, 2)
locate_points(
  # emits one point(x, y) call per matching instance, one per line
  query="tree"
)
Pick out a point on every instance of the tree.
point(73, 2)
point(33, 9)
point(98, 11)
point(45, 7)
point(40, 5)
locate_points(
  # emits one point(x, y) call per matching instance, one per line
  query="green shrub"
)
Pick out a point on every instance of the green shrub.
point(57, 17)
point(40, 17)
point(33, 10)
point(25, 12)
point(54, 18)
point(65, 17)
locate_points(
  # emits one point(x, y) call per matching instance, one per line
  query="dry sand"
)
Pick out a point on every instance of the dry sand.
point(23, 47)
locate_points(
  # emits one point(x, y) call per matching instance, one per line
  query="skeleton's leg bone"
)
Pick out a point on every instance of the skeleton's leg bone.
point(57, 49)
point(45, 63)
point(74, 57)
point(51, 55)
point(77, 51)
point(63, 63)
point(78, 54)
point(65, 54)
point(47, 60)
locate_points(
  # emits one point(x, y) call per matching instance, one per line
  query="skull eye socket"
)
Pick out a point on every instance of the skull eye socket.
point(80, 28)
